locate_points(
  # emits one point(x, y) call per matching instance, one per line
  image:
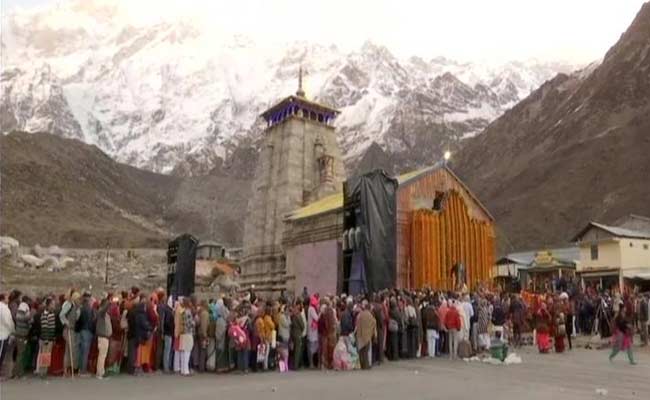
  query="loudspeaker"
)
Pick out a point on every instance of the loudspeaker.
point(181, 265)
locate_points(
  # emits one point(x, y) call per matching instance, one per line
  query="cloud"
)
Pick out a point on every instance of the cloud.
point(497, 30)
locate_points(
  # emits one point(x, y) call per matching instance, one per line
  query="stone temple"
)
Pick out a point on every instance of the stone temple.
point(300, 162)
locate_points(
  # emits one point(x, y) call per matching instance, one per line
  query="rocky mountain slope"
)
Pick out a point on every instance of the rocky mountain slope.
point(62, 191)
point(176, 97)
point(577, 149)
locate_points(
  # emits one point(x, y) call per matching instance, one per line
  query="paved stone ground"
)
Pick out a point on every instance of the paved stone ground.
point(573, 375)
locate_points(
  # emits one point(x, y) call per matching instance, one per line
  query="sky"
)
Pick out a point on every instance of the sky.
point(578, 31)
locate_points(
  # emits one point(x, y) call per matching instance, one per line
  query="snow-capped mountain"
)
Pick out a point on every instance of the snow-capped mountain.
point(159, 95)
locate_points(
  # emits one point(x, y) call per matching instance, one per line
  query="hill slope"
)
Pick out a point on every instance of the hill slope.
point(577, 149)
point(62, 191)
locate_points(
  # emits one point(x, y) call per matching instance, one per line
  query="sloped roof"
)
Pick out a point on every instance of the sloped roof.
point(566, 254)
point(614, 230)
point(328, 203)
point(335, 201)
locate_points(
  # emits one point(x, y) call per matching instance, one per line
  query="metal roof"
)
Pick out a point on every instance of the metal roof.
point(328, 203)
point(614, 230)
point(566, 254)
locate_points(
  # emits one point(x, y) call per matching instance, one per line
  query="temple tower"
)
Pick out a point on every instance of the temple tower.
point(300, 162)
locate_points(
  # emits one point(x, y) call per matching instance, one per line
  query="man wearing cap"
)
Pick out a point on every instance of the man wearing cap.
point(69, 315)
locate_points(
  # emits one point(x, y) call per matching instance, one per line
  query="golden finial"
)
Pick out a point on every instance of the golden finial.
point(300, 92)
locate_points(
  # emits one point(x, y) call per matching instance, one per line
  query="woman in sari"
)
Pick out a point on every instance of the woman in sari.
point(543, 321)
point(116, 342)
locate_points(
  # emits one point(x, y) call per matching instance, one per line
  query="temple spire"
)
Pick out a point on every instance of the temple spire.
point(300, 92)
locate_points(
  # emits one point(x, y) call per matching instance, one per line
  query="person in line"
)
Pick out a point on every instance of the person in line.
point(394, 322)
point(499, 318)
point(453, 324)
point(411, 329)
point(264, 326)
point(117, 341)
point(104, 331)
point(47, 335)
point(166, 332)
point(283, 323)
point(202, 334)
point(327, 334)
point(69, 315)
point(379, 347)
point(23, 324)
point(443, 342)
point(7, 328)
point(431, 323)
point(312, 330)
point(186, 336)
point(84, 329)
point(296, 333)
point(543, 327)
point(483, 319)
point(366, 333)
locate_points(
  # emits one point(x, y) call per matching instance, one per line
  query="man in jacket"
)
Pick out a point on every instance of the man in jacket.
point(104, 330)
point(296, 332)
point(431, 323)
point(84, 328)
point(166, 321)
point(47, 334)
point(68, 316)
point(23, 324)
point(379, 313)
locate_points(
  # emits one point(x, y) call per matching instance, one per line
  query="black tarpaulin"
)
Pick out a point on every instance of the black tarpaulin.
point(181, 263)
point(373, 196)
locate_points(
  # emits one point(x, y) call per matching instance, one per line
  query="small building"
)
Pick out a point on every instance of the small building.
point(507, 272)
point(547, 272)
point(210, 251)
point(613, 257)
point(537, 270)
point(436, 225)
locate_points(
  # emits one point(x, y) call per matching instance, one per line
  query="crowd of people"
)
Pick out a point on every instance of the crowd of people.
point(137, 333)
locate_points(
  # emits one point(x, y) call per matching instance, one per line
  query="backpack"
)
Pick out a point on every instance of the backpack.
point(464, 349)
point(238, 336)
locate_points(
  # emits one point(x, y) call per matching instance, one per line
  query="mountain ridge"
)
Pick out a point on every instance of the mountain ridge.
point(575, 150)
point(153, 97)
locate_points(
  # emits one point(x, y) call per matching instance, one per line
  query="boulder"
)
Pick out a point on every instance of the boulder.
point(52, 263)
point(38, 251)
point(32, 261)
point(66, 262)
point(9, 247)
point(55, 251)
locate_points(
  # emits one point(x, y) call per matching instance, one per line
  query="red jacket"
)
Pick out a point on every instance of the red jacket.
point(452, 319)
